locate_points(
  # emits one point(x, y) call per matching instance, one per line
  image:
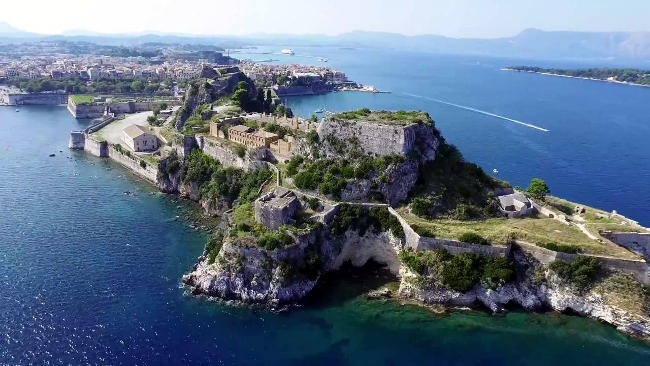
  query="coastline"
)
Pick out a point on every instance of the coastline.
point(575, 77)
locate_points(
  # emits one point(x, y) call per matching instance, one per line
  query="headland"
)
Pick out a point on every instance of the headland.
point(299, 198)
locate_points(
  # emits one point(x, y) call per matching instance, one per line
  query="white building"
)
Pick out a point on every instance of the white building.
point(139, 138)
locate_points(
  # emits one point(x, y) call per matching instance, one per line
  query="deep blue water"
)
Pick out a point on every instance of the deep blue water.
point(89, 275)
point(596, 152)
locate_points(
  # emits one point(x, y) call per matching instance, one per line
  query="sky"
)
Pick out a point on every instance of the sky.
point(452, 18)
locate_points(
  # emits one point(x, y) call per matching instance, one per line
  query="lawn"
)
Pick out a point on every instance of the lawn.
point(79, 99)
point(400, 118)
point(499, 231)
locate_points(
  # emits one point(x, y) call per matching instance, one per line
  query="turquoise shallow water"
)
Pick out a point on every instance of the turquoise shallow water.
point(89, 275)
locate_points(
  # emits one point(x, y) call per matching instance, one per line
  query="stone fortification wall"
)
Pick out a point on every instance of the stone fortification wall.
point(77, 140)
point(638, 243)
point(85, 111)
point(149, 172)
point(7, 98)
point(383, 139)
point(96, 147)
point(455, 247)
point(638, 268)
point(252, 160)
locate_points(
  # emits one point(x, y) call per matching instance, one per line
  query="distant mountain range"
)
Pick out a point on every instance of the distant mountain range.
point(530, 43)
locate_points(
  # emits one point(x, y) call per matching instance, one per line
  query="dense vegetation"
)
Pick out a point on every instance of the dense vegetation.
point(581, 273)
point(331, 176)
point(461, 272)
point(398, 117)
point(218, 182)
point(449, 186)
point(103, 86)
point(635, 76)
point(362, 219)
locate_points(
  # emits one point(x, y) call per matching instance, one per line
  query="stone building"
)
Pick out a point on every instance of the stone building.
point(282, 147)
point(250, 138)
point(515, 205)
point(139, 138)
point(277, 208)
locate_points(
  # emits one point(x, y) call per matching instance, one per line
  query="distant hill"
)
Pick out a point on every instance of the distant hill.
point(7, 30)
point(530, 43)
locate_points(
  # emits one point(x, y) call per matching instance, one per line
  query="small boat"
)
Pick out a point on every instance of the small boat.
point(322, 59)
point(495, 171)
point(17, 110)
point(287, 51)
point(319, 110)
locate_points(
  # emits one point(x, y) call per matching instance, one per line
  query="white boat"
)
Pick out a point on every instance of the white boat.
point(287, 51)
point(495, 171)
point(17, 110)
point(322, 59)
point(319, 110)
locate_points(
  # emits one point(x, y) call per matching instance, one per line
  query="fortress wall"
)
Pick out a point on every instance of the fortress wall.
point(222, 154)
point(638, 243)
point(85, 111)
point(373, 138)
point(77, 140)
point(457, 247)
point(34, 98)
point(150, 172)
point(638, 268)
point(95, 147)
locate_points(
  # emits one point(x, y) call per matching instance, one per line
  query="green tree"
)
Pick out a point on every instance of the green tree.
point(538, 189)
point(313, 118)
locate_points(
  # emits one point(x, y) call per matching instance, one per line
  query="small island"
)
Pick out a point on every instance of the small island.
point(613, 75)
point(299, 198)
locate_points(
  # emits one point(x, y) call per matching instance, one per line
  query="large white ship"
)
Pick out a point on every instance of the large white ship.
point(287, 51)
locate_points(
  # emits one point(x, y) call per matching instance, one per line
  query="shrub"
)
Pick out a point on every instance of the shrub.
point(424, 262)
point(473, 238)
point(143, 164)
point(312, 137)
point(213, 246)
point(497, 272)
point(582, 272)
point(421, 207)
point(564, 248)
point(462, 272)
point(240, 151)
point(313, 203)
point(274, 240)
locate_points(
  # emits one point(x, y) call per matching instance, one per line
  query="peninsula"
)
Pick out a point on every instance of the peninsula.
point(623, 76)
point(299, 198)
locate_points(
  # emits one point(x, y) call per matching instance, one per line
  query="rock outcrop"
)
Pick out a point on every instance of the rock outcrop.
point(549, 293)
point(244, 272)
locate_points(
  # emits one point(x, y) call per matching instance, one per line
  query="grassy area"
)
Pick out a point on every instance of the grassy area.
point(401, 118)
point(79, 99)
point(150, 159)
point(499, 231)
point(594, 219)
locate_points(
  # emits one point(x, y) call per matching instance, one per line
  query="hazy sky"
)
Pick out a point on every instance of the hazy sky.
point(455, 18)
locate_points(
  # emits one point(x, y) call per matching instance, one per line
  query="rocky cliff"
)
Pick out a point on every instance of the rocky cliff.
point(539, 288)
point(247, 273)
point(208, 90)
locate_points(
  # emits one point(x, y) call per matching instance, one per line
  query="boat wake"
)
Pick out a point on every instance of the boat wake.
point(479, 111)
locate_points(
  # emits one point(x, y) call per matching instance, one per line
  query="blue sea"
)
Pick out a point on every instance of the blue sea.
point(91, 275)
